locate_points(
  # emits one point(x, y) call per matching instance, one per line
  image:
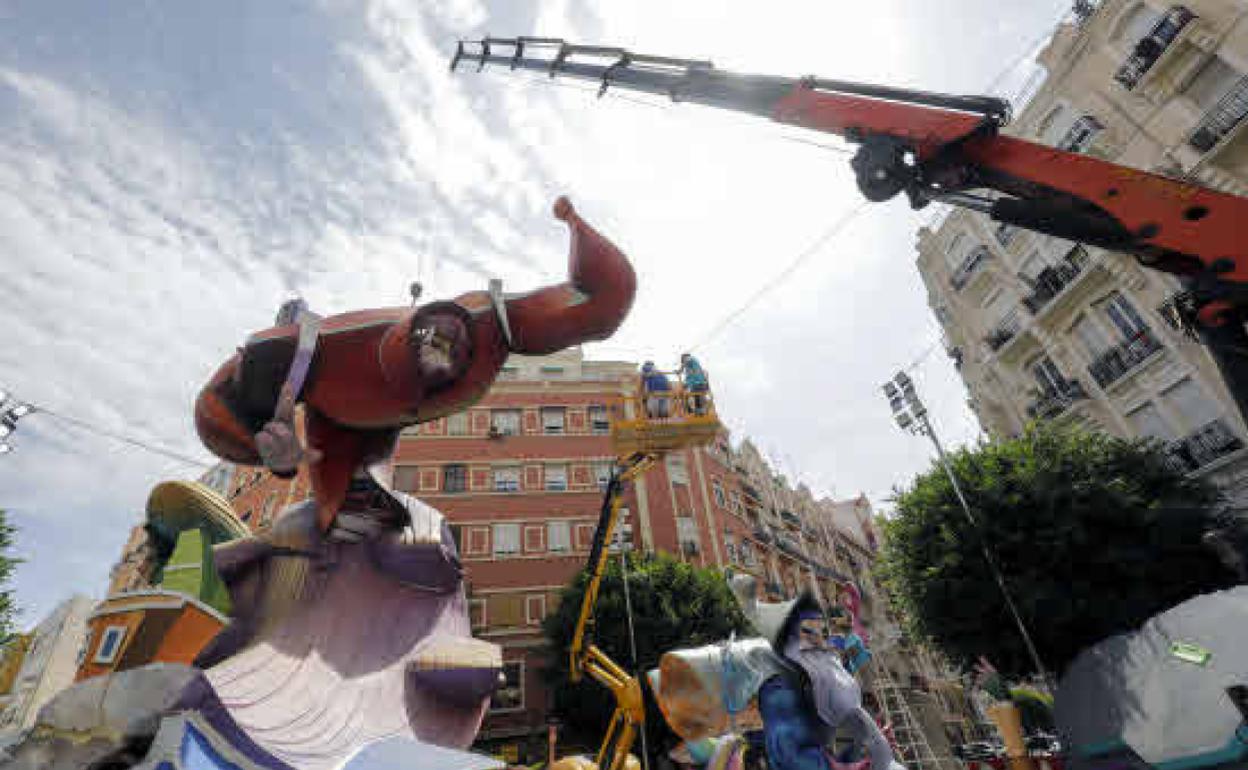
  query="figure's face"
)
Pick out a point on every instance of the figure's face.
point(813, 634)
point(443, 345)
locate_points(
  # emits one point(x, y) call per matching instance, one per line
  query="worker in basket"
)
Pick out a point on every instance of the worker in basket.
point(693, 377)
point(653, 383)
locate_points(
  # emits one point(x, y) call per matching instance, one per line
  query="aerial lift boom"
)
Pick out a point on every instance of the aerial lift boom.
point(949, 149)
point(640, 440)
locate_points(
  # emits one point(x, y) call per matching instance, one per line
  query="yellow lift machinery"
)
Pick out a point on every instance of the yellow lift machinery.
point(644, 427)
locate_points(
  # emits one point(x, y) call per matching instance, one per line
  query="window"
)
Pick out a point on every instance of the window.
point(1080, 135)
point(1147, 422)
point(457, 424)
point(623, 537)
point(676, 469)
point(599, 420)
point(552, 372)
point(476, 614)
point(510, 696)
point(505, 422)
point(1135, 24)
point(718, 490)
point(509, 373)
point(602, 472)
point(110, 644)
point(557, 478)
point(1047, 375)
point(454, 478)
point(1193, 406)
point(1091, 336)
point(1124, 317)
point(558, 536)
point(534, 609)
point(553, 420)
point(687, 533)
point(506, 539)
point(407, 478)
point(953, 255)
point(86, 645)
point(507, 479)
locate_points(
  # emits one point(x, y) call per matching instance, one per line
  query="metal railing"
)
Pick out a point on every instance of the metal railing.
point(1113, 364)
point(1003, 333)
point(1222, 118)
point(1150, 47)
point(1053, 279)
point(1053, 401)
point(969, 267)
point(1201, 447)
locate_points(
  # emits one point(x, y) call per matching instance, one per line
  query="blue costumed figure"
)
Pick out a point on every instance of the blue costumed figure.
point(791, 683)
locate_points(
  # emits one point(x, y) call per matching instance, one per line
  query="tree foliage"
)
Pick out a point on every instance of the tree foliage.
point(8, 563)
point(1093, 534)
point(674, 605)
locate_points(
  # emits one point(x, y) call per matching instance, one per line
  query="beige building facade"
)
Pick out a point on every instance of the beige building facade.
point(49, 665)
point(1042, 328)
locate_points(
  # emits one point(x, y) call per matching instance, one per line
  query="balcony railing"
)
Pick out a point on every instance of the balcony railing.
point(969, 267)
point(790, 517)
point(1224, 116)
point(1003, 333)
point(1054, 401)
point(1113, 364)
point(1053, 279)
point(762, 535)
point(1153, 45)
point(1198, 449)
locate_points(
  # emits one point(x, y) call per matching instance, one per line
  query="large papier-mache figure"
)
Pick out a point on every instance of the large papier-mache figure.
point(349, 621)
point(790, 683)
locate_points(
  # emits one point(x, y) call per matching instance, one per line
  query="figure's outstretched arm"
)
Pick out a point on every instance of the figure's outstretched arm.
point(867, 734)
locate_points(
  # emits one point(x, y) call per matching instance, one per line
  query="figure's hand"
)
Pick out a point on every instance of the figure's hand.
point(280, 450)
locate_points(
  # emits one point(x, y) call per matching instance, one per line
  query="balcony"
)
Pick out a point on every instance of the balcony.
point(1004, 332)
point(1150, 47)
point(1222, 119)
point(1053, 401)
point(1052, 280)
point(1005, 233)
point(1118, 361)
point(762, 535)
point(1202, 447)
point(790, 518)
point(969, 267)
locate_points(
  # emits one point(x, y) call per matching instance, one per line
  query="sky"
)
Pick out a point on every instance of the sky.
point(171, 171)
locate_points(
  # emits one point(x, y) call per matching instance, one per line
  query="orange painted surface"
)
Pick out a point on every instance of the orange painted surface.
point(180, 638)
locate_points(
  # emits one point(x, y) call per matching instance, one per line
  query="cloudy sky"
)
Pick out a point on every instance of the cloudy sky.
point(171, 171)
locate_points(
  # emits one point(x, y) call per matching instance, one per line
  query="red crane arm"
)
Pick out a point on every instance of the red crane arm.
point(940, 147)
point(1171, 225)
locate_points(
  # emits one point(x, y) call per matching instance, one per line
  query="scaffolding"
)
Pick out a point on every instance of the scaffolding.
point(909, 741)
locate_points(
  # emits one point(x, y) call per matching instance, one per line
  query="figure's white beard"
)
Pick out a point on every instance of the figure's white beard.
point(835, 692)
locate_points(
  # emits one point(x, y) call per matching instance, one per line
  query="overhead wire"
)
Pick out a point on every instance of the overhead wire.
point(106, 433)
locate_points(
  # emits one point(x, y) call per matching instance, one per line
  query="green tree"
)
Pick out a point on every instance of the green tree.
point(674, 605)
point(8, 563)
point(1093, 534)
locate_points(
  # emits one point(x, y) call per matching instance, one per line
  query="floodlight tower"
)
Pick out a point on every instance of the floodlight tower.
point(911, 416)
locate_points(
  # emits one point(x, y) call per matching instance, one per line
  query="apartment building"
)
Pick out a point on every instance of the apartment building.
point(1042, 328)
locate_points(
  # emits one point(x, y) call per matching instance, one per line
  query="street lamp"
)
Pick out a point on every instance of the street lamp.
point(11, 410)
point(911, 416)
